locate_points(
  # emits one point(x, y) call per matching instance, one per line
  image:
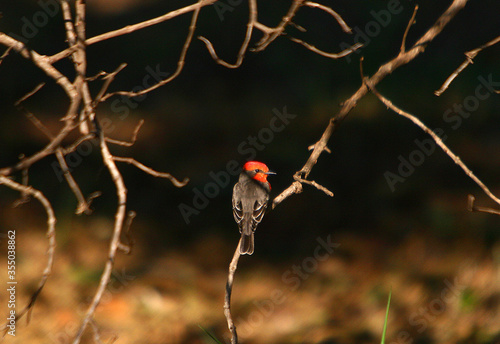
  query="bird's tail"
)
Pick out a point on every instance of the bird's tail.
point(246, 246)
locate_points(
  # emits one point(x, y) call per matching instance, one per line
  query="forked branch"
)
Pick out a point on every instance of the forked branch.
point(405, 56)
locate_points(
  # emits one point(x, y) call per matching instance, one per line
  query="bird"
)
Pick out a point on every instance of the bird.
point(250, 198)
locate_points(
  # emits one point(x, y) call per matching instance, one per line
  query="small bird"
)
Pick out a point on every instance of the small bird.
point(250, 197)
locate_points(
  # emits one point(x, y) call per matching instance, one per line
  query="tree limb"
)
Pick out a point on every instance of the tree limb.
point(403, 58)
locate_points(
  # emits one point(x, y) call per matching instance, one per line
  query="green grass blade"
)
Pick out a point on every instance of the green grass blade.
point(386, 317)
point(210, 335)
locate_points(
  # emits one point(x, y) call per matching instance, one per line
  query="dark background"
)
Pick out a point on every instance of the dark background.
point(194, 125)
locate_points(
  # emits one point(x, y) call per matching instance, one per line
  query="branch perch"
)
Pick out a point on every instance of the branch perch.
point(404, 57)
point(227, 299)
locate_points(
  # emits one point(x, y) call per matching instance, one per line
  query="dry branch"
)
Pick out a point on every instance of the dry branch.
point(51, 236)
point(252, 20)
point(132, 141)
point(436, 139)
point(180, 62)
point(121, 192)
point(331, 12)
point(403, 58)
point(152, 172)
point(470, 55)
point(471, 206)
point(227, 298)
point(132, 28)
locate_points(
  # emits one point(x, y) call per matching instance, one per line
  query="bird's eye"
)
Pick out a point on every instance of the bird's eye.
point(257, 171)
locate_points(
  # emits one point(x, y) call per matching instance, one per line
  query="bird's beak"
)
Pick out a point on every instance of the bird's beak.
point(268, 173)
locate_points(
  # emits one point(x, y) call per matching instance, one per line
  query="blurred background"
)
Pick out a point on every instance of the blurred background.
point(399, 217)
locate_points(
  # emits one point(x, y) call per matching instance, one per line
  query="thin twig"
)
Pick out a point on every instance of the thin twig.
point(108, 79)
point(132, 28)
point(472, 207)
point(42, 62)
point(121, 192)
point(331, 12)
point(227, 299)
point(436, 139)
point(51, 236)
point(273, 33)
point(180, 62)
point(317, 186)
point(5, 54)
point(29, 94)
point(132, 141)
point(343, 53)
point(127, 248)
point(82, 204)
point(72, 147)
point(152, 172)
point(252, 19)
point(470, 55)
point(410, 23)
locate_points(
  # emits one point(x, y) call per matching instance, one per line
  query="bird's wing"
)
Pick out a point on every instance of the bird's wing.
point(237, 206)
point(237, 211)
point(259, 209)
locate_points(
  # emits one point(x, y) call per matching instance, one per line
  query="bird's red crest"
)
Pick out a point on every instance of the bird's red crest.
point(255, 165)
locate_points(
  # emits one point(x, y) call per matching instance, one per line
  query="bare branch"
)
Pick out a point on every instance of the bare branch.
point(472, 207)
point(343, 53)
point(76, 38)
point(82, 207)
point(316, 185)
point(295, 188)
point(108, 80)
point(5, 54)
point(227, 298)
point(41, 62)
point(252, 19)
point(384, 70)
point(437, 139)
point(272, 33)
point(470, 55)
point(132, 28)
point(180, 62)
point(51, 236)
point(152, 172)
point(410, 23)
point(331, 12)
point(132, 141)
point(71, 148)
point(121, 192)
point(29, 94)
point(127, 248)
